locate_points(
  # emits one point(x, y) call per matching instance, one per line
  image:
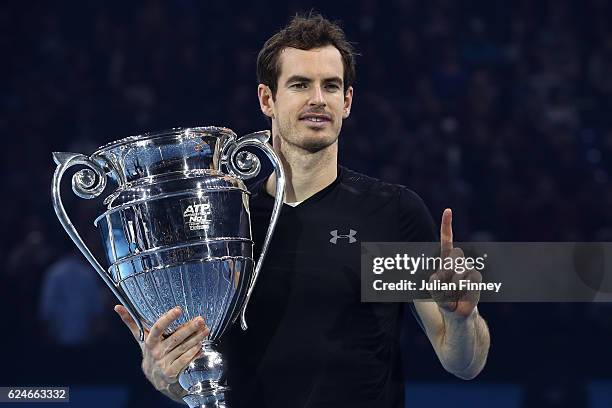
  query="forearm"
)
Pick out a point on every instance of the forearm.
point(464, 345)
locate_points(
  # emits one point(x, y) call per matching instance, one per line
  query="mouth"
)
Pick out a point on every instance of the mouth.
point(316, 120)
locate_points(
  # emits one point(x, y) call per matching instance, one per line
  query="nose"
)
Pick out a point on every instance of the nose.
point(317, 98)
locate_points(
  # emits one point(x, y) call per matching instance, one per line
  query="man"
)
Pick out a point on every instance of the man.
point(311, 342)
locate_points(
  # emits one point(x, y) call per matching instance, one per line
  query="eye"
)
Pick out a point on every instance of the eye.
point(332, 87)
point(299, 85)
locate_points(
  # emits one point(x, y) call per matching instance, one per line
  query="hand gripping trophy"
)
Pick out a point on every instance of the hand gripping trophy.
point(177, 231)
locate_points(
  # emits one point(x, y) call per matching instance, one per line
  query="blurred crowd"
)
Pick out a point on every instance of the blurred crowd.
point(499, 110)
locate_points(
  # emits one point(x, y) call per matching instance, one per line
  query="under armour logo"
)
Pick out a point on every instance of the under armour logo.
point(350, 236)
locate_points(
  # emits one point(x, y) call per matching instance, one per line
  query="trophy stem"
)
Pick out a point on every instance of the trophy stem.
point(201, 379)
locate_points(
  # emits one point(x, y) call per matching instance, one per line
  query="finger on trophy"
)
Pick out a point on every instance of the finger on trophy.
point(160, 326)
point(188, 329)
point(195, 340)
point(129, 322)
point(177, 366)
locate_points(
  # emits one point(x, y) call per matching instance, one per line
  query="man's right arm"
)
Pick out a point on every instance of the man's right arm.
point(163, 359)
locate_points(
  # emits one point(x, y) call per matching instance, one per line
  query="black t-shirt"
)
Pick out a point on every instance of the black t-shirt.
point(311, 342)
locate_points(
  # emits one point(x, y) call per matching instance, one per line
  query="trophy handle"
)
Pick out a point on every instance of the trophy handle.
point(87, 183)
point(245, 165)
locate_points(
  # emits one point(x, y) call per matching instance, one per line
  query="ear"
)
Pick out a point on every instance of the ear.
point(266, 102)
point(348, 102)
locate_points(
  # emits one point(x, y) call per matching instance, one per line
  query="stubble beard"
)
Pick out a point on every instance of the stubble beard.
point(293, 137)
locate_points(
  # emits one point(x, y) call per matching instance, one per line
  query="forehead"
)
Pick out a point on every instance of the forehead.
point(317, 62)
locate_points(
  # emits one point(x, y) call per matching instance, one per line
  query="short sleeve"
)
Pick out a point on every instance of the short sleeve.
point(415, 221)
point(416, 225)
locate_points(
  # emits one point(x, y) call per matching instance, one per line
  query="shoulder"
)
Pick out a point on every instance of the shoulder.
point(361, 184)
point(405, 207)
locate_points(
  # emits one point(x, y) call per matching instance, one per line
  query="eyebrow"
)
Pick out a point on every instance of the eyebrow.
point(300, 78)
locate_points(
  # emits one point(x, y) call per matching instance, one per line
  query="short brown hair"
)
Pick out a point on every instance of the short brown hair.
point(304, 32)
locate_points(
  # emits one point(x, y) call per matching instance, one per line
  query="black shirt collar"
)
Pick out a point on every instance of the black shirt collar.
point(259, 192)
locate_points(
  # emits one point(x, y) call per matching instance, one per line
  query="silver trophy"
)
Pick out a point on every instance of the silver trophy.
point(177, 231)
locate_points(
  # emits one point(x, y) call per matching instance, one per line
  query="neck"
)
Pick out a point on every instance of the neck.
point(306, 173)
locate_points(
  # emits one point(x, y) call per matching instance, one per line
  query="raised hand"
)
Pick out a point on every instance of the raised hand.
point(460, 303)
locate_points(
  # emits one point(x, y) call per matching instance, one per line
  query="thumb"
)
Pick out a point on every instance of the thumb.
point(127, 319)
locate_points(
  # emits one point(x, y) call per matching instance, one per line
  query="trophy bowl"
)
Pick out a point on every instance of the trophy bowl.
point(176, 231)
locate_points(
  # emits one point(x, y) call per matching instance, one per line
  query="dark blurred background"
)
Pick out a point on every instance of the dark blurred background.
point(498, 109)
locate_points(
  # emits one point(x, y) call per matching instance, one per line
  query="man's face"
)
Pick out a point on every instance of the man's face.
point(310, 101)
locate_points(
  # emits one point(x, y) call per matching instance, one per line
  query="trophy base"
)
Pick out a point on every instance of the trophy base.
point(202, 380)
point(207, 400)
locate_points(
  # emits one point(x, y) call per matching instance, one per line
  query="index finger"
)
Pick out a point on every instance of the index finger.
point(160, 326)
point(446, 233)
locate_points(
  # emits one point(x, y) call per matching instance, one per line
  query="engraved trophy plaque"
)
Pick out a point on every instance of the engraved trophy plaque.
point(177, 231)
